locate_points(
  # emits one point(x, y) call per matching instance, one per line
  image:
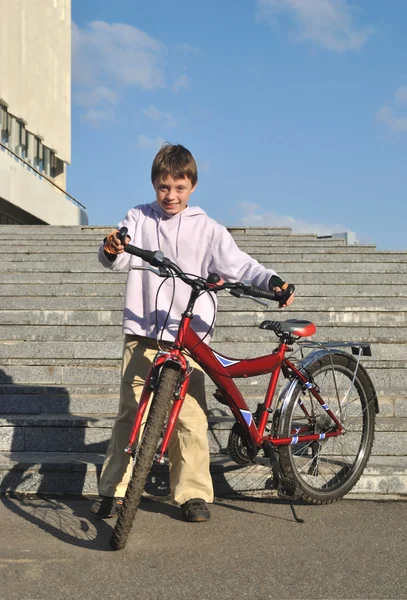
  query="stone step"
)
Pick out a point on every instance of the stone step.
point(57, 366)
point(113, 289)
point(304, 279)
point(265, 240)
point(48, 242)
point(312, 303)
point(247, 332)
point(260, 231)
point(390, 435)
point(52, 234)
point(90, 396)
point(91, 433)
point(389, 377)
point(60, 473)
point(25, 323)
point(328, 318)
point(60, 400)
point(373, 335)
point(36, 252)
point(226, 304)
point(285, 268)
point(91, 244)
point(386, 374)
point(89, 260)
point(59, 231)
point(94, 236)
point(70, 400)
point(62, 333)
point(237, 348)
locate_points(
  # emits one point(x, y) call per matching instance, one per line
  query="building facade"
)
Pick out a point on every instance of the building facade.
point(35, 113)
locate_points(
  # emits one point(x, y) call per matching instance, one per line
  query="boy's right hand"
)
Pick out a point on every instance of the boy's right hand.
point(113, 244)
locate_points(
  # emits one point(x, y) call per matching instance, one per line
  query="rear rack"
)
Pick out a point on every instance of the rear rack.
point(358, 348)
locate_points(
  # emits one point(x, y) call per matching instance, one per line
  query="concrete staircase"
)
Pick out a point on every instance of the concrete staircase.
point(61, 342)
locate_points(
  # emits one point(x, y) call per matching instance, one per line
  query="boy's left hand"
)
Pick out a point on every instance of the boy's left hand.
point(289, 300)
point(276, 284)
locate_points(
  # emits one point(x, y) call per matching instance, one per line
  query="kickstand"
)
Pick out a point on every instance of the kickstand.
point(295, 514)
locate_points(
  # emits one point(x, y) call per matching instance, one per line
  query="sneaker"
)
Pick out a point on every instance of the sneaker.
point(195, 510)
point(106, 507)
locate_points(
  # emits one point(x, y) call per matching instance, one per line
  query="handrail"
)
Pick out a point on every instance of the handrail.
point(42, 175)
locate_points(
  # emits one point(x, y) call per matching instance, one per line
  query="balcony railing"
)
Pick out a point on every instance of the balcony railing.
point(41, 175)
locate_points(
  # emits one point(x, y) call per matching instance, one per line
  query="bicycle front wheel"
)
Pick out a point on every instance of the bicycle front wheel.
point(145, 454)
point(327, 469)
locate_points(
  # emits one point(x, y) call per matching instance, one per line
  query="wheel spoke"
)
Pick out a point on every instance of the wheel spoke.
point(326, 470)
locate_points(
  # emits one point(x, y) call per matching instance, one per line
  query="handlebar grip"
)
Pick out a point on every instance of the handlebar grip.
point(280, 297)
point(147, 255)
point(258, 292)
point(123, 234)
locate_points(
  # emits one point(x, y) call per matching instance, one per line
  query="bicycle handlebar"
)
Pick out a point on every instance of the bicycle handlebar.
point(238, 289)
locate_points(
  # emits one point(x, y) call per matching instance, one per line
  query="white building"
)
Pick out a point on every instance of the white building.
point(35, 113)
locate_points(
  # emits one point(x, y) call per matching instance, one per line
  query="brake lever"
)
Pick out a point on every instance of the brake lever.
point(258, 300)
point(241, 294)
point(161, 271)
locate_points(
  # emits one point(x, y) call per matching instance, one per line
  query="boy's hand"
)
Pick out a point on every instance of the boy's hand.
point(276, 284)
point(289, 300)
point(113, 245)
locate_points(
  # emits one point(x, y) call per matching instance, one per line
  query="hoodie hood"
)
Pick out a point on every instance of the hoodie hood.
point(172, 224)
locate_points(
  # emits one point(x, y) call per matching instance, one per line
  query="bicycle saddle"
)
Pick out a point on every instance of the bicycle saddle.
point(294, 326)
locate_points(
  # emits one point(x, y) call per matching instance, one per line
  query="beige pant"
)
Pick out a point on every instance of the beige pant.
point(188, 448)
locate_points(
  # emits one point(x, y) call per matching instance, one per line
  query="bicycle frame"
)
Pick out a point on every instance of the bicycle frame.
point(222, 370)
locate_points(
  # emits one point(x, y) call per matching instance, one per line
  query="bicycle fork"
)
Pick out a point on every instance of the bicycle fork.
point(150, 385)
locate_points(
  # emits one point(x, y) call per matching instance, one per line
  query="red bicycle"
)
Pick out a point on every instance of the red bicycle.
point(316, 437)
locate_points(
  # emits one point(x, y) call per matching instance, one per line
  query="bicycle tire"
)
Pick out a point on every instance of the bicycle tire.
point(324, 471)
point(145, 455)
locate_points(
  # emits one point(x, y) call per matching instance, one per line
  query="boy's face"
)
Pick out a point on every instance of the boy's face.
point(173, 194)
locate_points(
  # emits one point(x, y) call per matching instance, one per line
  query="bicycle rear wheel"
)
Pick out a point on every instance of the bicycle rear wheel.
point(327, 469)
point(145, 454)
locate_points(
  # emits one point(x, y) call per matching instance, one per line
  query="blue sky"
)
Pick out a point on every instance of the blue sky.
point(295, 110)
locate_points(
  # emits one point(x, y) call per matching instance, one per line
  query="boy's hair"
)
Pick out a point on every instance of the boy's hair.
point(174, 160)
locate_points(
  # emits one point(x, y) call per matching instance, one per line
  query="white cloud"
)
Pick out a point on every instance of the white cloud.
point(95, 96)
point(182, 82)
point(157, 115)
point(97, 118)
point(145, 142)
point(124, 53)
point(326, 23)
point(394, 122)
point(253, 216)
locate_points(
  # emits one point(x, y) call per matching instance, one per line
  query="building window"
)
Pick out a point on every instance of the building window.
point(57, 166)
point(23, 140)
point(5, 125)
point(38, 154)
point(47, 161)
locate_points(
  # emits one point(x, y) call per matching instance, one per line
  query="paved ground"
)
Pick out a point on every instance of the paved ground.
point(52, 549)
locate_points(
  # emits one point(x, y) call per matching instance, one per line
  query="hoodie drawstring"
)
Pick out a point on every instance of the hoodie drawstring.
point(158, 231)
point(160, 218)
point(178, 230)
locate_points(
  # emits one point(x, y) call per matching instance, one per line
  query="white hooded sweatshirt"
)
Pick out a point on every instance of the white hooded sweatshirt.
point(198, 245)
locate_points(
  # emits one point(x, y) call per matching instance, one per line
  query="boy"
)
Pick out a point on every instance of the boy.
point(198, 245)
